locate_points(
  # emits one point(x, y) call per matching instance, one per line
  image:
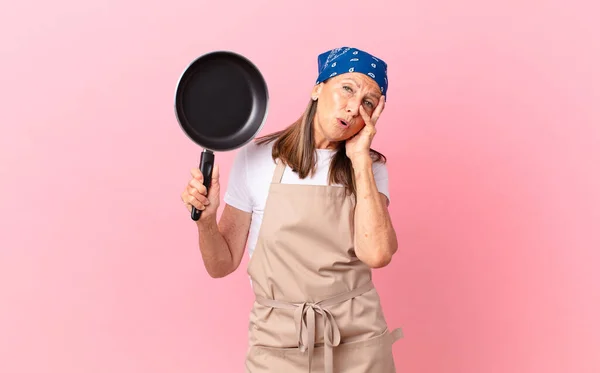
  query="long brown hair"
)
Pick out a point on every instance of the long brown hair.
point(295, 146)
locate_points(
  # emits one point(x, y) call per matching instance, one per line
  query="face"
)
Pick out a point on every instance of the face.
point(337, 117)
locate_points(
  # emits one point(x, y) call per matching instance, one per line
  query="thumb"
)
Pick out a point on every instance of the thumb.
point(215, 174)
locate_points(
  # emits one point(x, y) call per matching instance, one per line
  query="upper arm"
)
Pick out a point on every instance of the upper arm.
point(234, 225)
point(238, 193)
point(384, 199)
point(235, 220)
point(380, 172)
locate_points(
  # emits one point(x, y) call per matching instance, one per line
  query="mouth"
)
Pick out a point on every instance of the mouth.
point(343, 123)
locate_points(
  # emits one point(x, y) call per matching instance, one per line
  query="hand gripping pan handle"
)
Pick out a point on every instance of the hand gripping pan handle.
point(207, 161)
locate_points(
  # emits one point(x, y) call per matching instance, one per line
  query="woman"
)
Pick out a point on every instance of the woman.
point(310, 202)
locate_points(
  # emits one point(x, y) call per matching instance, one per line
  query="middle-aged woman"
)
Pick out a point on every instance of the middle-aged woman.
point(310, 203)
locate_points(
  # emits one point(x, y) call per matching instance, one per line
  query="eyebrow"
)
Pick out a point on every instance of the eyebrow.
point(373, 95)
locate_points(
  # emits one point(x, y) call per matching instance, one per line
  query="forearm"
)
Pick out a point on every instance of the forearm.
point(215, 251)
point(374, 236)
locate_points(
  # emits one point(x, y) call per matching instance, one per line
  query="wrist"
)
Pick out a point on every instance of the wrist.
point(363, 174)
point(361, 161)
point(206, 222)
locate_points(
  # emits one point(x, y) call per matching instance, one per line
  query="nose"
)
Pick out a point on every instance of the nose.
point(352, 106)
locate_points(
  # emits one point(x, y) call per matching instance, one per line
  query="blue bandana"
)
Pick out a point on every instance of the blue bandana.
point(346, 60)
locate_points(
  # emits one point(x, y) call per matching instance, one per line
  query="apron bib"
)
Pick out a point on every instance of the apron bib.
point(316, 309)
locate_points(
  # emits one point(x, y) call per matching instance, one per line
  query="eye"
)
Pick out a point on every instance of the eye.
point(369, 104)
point(347, 88)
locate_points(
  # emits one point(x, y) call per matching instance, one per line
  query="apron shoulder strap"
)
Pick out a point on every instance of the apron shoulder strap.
point(278, 174)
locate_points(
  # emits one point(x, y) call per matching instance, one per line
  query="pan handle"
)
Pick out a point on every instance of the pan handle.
point(207, 161)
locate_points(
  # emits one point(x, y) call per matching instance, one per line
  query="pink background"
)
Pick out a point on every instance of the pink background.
point(492, 130)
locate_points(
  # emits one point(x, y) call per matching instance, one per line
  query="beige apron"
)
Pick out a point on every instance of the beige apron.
point(316, 309)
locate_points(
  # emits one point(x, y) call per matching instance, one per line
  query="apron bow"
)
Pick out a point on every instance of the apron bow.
point(304, 317)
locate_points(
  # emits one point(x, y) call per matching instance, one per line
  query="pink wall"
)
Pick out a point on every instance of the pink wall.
point(492, 130)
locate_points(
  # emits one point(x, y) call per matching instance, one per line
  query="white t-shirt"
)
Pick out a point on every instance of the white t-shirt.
point(252, 172)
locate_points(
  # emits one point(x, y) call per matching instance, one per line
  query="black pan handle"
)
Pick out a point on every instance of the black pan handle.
point(207, 161)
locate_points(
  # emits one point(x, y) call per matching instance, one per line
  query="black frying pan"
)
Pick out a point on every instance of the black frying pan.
point(221, 103)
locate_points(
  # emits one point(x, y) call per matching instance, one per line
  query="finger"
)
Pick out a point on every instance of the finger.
point(365, 115)
point(202, 199)
point(196, 174)
point(196, 203)
point(197, 185)
point(185, 201)
point(199, 196)
point(189, 200)
point(378, 110)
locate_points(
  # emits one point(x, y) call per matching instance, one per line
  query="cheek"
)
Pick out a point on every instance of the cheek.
point(339, 101)
point(333, 101)
point(358, 127)
point(360, 122)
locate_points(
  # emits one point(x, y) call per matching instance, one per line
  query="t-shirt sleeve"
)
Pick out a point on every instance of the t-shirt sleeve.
point(237, 193)
point(380, 172)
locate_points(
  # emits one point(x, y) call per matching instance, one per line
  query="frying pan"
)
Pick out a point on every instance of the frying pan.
point(221, 103)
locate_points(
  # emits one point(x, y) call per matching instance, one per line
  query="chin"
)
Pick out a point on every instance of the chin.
point(337, 138)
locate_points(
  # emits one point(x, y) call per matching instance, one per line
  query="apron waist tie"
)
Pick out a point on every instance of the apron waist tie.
point(304, 318)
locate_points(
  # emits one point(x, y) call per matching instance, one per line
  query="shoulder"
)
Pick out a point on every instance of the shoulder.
point(380, 168)
point(380, 173)
point(252, 156)
point(257, 153)
point(249, 176)
point(256, 160)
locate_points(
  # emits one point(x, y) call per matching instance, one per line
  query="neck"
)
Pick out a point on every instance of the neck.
point(321, 141)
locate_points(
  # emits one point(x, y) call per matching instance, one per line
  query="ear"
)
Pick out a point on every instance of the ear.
point(316, 91)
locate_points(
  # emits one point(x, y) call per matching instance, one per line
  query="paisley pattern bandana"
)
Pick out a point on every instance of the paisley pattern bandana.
point(346, 60)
